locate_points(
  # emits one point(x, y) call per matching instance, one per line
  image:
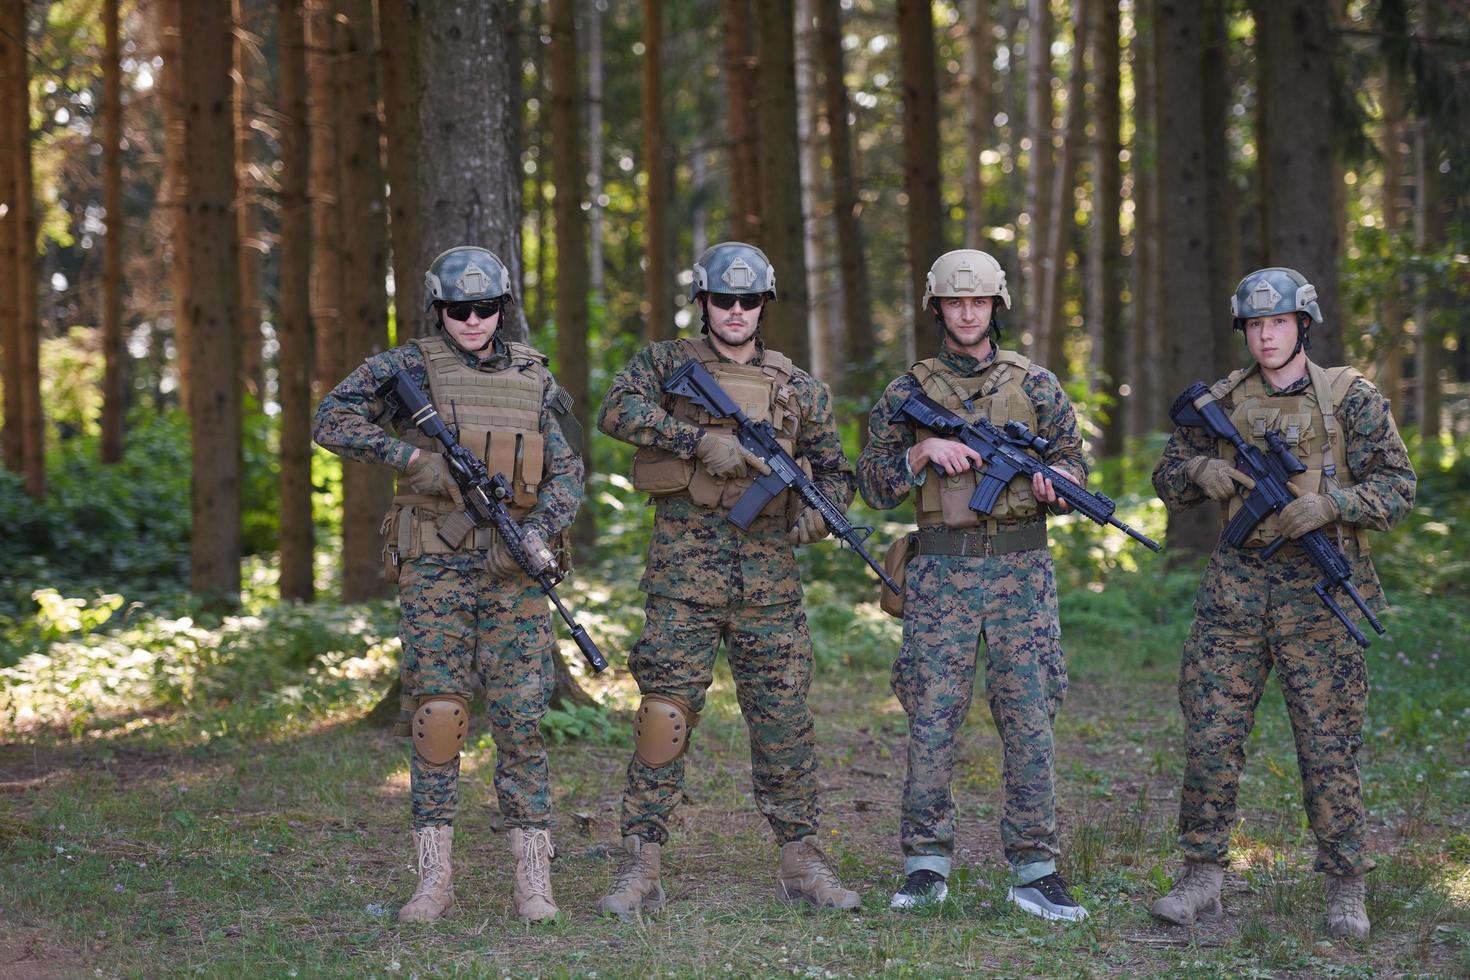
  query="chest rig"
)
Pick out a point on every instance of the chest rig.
point(1306, 422)
point(995, 394)
point(497, 416)
point(763, 392)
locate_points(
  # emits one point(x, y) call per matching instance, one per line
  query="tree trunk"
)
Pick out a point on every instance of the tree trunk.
point(744, 123)
point(175, 192)
point(1430, 233)
point(1039, 111)
point(1107, 188)
point(249, 245)
point(1224, 260)
point(114, 396)
point(9, 237)
point(921, 158)
point(294, 310)
point(594, 146)
point(857, 326)
point(210, 297)
point(1295, 51)
point(978, 124)
point(1060, 223)
point(324, 92)
point(1183, 223)
point(785, 326)
point(28, 327)
point(400, 78)
point(823, 330)
point(658, 284)
point(1147, 378)
point(1390, 357)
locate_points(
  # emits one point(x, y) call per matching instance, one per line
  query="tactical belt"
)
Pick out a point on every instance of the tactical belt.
point(978, 544)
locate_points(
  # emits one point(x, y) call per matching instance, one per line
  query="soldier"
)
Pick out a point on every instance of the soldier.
point(974, 579)
point(1254, 612)
point(470, 610)
point(707, 580)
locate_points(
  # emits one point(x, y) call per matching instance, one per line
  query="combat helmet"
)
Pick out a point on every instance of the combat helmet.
point(1276, 290)
point(966, 272)
point(466, 272)
point(733, 267)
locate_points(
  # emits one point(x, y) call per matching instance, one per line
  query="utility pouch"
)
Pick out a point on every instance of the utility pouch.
point(896, 564)
point(659, 473)
point(392, 554)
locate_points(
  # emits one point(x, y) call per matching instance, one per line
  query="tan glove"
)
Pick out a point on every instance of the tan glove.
point(502, 563)
point(1307, 513)
point(1217, 478)
point(809, 527)
point(725, 458)
point(429, 474)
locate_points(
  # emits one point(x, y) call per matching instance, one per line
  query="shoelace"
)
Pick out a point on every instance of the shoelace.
point(431, 861)
point(823, 866)
point(1054, 889)
point(538, 861)
point(921, 882)
point(630, 869)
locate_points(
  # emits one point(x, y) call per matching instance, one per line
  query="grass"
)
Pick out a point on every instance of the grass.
point(214, 806)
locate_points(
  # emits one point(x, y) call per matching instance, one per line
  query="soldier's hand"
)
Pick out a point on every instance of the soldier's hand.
point(1046, 493)
point(725, 458)
point(500, 562)
point(1307, 513)
point(428, 473)
point(1217, 478)
point(949, 455)
point(809, 527)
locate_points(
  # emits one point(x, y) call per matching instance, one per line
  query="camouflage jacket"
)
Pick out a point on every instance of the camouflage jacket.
point(352, 422)
point(884, 477)
point(696, 555)
point(1383, 478)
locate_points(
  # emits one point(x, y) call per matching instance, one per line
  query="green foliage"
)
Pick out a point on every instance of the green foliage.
point(577, 722)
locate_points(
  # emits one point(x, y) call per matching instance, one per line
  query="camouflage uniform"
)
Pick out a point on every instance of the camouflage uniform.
point(706, 581)
point(456, 616)
point(1252, 613)
point(952, 605)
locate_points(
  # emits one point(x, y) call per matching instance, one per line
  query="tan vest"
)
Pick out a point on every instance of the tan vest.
point(1306, 422)
point(763, 392)
point(497, 416)
point(995, 394)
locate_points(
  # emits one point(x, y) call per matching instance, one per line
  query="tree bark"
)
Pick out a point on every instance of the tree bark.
point(294, 312)
point(1060, 223)
point(857, 327)
point(1147, 378)
point(921, 158)
point(978, 58)
point(324, 92)
point(400, 75)
point(1224, 255)
point(1107, 189)
point(785, 327)
point(175, 191)
point(209, 300)
point(1296, 48)
point(114, 397)
point(9, 238)
point(823, 332)
point(658, 284)
point(594, 148)
point(744, 122)
point(28, 329)
point(1039, 112)
point(249, 247)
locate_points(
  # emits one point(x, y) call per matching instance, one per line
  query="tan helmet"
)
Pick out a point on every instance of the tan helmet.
point(966, 272)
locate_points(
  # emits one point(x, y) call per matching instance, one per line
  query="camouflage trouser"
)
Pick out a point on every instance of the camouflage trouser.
point(1252, 613)
point(455, 622)
point(951, 606)
point(770, 654)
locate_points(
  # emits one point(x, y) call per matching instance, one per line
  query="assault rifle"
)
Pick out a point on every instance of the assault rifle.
point(1007, 455)
point(1197, 408)
point(484, 500)
point(694, 382)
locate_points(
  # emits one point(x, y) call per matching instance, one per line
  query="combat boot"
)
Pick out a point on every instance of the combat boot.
point(1195, 894)
point(807, 876)
point(532, 893)
point(1347, 916)
point(435, 894)
point(636, 887)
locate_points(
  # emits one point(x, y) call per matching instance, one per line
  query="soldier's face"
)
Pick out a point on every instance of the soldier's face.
point(472, 333)
point(966, 319)
point(1271, 339)
point(736, 326)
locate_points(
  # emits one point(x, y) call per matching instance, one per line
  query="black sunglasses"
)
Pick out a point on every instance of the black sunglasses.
point(747, 301)
point(484, 309)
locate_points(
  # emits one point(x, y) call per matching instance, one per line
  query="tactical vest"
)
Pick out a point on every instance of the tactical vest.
point(1306, 421)
point(763, 392)
point(497, 416)
point(995, 394)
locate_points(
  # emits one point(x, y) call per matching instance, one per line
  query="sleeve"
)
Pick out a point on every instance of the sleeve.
point(1056, 422)
point(883, 474)
point(633, 412)
point(564, 474)
point(349, 419)
point(1171, 482)
point(820, 444)
point(1384, 481)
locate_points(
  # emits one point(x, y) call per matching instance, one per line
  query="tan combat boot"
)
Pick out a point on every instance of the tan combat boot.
point(807, 876)
point(1347, 917)
point(635, 884)
point(1196, 893)
point(532, 894)
point(435, 894)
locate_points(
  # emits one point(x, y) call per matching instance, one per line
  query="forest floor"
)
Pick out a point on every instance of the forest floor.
point(159, 844)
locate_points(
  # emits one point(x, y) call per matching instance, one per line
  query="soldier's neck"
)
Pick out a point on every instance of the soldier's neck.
point(978, 351)
point(1287, 374)
point(743, 354)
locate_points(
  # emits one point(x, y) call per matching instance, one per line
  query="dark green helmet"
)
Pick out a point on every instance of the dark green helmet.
point(1273, 290)
point(466, 272)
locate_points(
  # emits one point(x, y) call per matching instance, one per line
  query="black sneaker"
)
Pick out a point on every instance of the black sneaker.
point(1049, 898)
point(922, 888)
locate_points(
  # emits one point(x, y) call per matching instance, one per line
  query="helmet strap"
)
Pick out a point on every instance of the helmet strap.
point(1303, 342)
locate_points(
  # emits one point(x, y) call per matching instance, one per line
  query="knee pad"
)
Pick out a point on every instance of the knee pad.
point(661, 729)
point(439, 727)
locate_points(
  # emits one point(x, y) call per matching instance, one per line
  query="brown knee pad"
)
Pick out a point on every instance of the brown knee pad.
point(439, 727)
point(661, 729)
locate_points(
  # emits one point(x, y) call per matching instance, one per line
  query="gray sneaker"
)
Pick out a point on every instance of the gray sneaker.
point(1049, 898)
point(923, 887)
